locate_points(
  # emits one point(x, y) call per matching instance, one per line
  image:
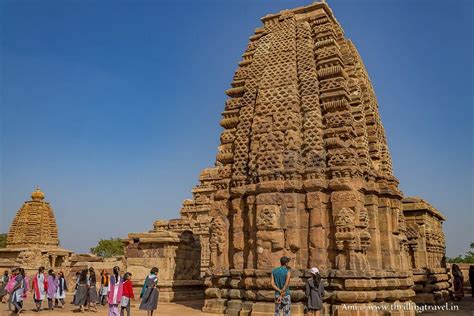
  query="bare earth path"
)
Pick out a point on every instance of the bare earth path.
point(466, 308)
point(168, 309)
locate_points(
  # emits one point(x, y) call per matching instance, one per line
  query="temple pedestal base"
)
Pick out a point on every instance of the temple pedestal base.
point(239, 308)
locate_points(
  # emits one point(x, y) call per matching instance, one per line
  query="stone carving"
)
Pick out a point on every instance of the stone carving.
point(268, 217)
point(219, 242)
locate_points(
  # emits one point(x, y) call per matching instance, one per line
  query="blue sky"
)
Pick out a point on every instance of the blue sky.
point(112, 107)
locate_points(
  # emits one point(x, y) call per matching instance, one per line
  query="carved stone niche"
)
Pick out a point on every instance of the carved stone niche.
point(268, 217)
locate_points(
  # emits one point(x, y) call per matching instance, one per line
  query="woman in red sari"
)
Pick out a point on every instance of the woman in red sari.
point(40, 288)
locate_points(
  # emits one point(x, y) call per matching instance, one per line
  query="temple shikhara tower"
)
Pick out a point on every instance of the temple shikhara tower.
point(303, 170)
point(32, 240)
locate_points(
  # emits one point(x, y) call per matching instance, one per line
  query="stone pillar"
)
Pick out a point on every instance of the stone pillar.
point(374, 253)
point(386, 234)
point(251, 230)
point(318, 229)
point(237, 233)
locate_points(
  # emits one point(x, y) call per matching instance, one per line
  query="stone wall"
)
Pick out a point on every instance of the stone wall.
point(32, 258)
point(178, 257)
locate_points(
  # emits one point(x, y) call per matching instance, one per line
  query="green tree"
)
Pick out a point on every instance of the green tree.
point(467, 258)
point(3, 240)
point(108, 248)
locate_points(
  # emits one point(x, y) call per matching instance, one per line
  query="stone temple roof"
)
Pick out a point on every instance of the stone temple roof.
point(416, 204)
point(34, 225)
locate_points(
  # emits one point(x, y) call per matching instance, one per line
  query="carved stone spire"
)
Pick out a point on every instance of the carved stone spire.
point(34, 224)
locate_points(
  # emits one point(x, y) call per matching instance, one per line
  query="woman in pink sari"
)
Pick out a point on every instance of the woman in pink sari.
point(115, 292)
point(9, 287)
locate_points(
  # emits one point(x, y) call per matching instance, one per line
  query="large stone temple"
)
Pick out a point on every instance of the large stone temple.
point(32, 240)
point(303, 170)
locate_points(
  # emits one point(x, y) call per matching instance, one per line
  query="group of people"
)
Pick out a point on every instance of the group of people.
point(116, 290)
point(44, 286)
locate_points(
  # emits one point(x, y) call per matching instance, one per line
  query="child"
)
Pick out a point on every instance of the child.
point(127, 294)
point(314, 293)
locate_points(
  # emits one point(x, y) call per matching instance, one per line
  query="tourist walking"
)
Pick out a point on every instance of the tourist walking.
point(3, 284)
point(92, 297)
point(40, 286)
point(314, 293)
point(115, 292)
point(19, 290)
point(280, 283)
point(61, 289)
point(52, 288)
point(78, 275)
point(458, 283)
point(80, 298)
point(127, 294)
point(9, 287)
point(104, 286)
point(149, 293)
point(471, 279)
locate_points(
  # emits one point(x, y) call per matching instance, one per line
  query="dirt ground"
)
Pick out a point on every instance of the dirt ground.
point(191, 308)
point(168, 309)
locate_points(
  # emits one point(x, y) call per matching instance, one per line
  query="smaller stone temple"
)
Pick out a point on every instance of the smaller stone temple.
point(426, 248)
point(179, 247)
point(32, 240)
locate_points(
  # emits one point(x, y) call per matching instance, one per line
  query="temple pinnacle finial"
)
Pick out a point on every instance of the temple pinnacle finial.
point(37, 195)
